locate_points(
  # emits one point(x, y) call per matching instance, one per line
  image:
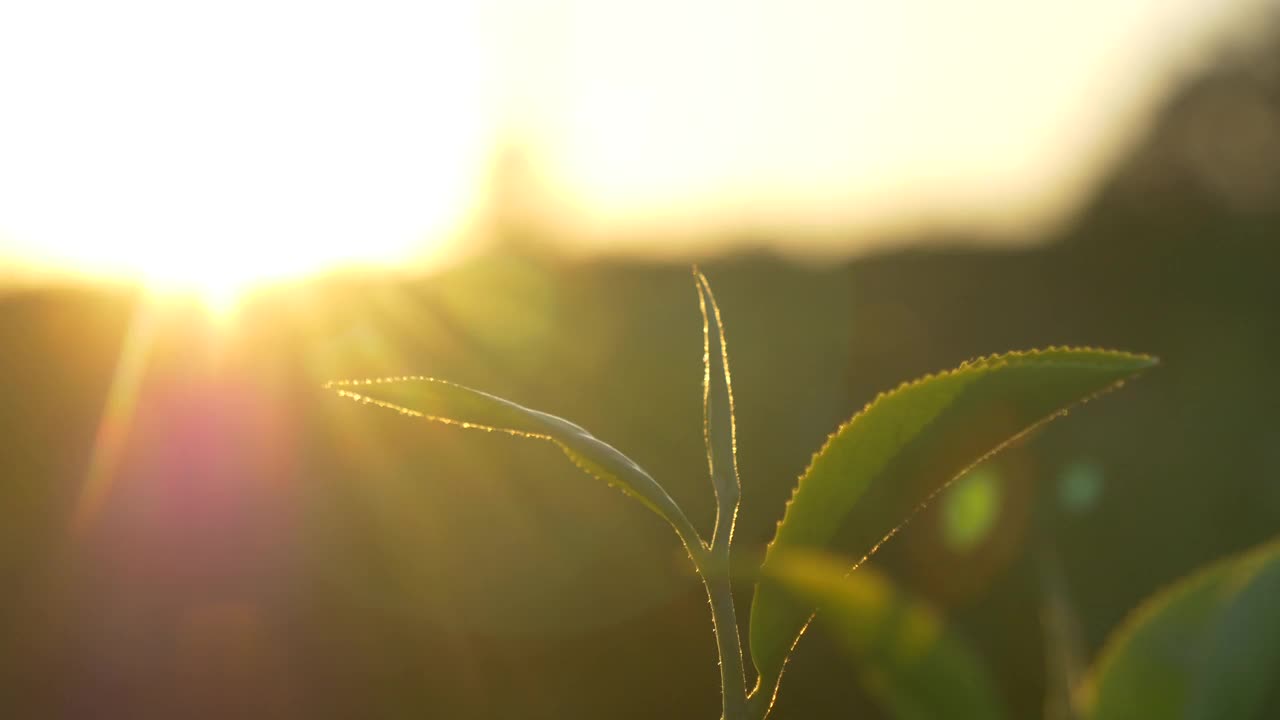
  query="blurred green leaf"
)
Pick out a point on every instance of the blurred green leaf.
point(880, 467)
point(717, 413)
point(453, 404)
point(1207, 647)
point(908, 659)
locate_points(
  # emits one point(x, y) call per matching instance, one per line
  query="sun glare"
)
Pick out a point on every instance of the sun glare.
point(211, 148)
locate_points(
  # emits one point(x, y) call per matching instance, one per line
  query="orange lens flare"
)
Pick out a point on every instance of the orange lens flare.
point(117, 417)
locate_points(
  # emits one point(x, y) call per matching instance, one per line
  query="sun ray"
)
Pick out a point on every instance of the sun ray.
point(117, 416)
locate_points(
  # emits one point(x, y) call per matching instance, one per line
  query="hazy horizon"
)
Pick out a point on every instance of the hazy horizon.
point(652, 129)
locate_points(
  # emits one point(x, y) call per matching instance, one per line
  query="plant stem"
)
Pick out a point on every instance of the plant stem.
point(714, 568)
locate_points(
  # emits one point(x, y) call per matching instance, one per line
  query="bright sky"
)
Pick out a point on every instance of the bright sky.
point(218, 143)
point(215, 144)
point(992, 115)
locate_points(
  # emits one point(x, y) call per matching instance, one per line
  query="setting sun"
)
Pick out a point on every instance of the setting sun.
point(207, 150)
point(210, 148)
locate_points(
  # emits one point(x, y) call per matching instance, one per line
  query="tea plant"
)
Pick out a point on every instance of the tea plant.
point(1206, 648)
point(872, 474)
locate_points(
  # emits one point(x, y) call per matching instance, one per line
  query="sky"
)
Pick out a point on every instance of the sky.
point(221, 144)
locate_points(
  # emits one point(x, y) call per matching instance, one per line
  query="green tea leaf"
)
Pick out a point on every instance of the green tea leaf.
point(908, 659)
point(719, 428)
point(1207, 647)
point(453, 404)
point(879, 468)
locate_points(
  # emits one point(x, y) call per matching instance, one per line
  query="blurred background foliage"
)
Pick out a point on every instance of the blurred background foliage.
point(264, 549)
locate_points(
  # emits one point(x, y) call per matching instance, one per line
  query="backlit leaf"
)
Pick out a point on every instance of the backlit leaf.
point(717, 414)
point(876, 470)
point(1207, 647)
point(907, 658)
point(453, 404)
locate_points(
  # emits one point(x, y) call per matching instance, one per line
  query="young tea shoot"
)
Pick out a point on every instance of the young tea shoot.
point(870, 476)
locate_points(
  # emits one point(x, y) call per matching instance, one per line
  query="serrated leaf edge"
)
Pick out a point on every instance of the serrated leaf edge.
point(983, 363)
